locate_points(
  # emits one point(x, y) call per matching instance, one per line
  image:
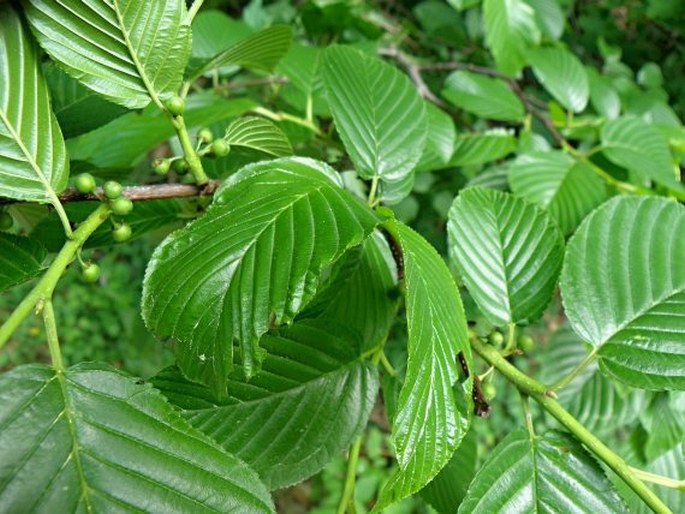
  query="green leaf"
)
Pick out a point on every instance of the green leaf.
point(562, 75)
point(258, 134)
point(548, 473)
point(253, 261)
point(362, 292)
point(508, 252)
point(664, 422)
point(128, 51)
point(439, 142)
point(126, 140)
point(21, 259)
point(213, 32)
point(434, 408)
point(603, 96)
point(567, 189)
point(305, 89)
point(448, 489)
point(77, 108)
point(549, 17)
point(483, 96)
point(635, 144)
point(259, 51)
point(479, 148)
point(509, 30)
point(623, 287)
point(33, 160)
point(314, 395)
point(600, 404)
point(91, 439)
point(379, 115)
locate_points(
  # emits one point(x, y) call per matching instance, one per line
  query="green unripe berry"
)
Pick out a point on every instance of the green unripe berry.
point(496, 338)
point(526, 343)
point(112, 189)
point(121, 206)
point(91, 272)
point(121, 233)
point(181, 166)
point(175, 105)
point(161, 166)
point(489, 391)
point(220, 148)
point(6, 221)
point(85, 183)
point(205, 135)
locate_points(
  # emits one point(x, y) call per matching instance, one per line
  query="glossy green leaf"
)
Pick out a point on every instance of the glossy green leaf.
point(562, 75)
point(21, 259)
point(33, 160)
point(314, 395)
point(305, 89)
point(603, 96)
point(548, 473)
point(440, 140)
point(379, 115)
point(479, 148)
point(253, 261)
point(128, 51)
point(635, 144)
point(258, 134)
point(510, 29)
point(548, 17)
point(567, 189)
point(92, 439)
point(448, 489)
point(78, 109)
point(507, 251)
point(483, 96)
point(664, 422)
point(623, 287)
point(213, 32)
point(434, 407)
point(362, 293)
point(259, 51)
point(597, 402)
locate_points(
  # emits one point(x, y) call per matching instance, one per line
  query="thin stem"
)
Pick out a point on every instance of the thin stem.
point(51, 333)
point(540, 394)
point(44, 288)
point(284, 116)
point(347, 497)
point(59, 209)
point(194, 162)
point(568, 378)
point(673, 483)
point(525, 400)
point(389, 369)
point(372, 191)
point(193, 9)
point(511, 338)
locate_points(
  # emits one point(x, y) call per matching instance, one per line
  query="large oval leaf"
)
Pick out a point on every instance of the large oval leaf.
point(251, 262)
point(623, 287)
point(21, 259)
point(562, 75)
point(486, 97)
point(126, 50)
point(508, 252)
point(568, 189)
point(258, 134)
point(33, 160)
point(433, 408)
point(313, 396)
point(91, 439)
point(549, 473)
point(379, 115)
point(481, 147)
point(440, 140)
point(635, 144)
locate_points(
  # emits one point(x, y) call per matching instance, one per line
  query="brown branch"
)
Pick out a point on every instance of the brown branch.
point(414, 72)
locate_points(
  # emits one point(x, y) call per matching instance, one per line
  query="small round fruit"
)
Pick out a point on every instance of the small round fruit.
point(121, 233)
point(6, 221)
point(220, 148)
point(496, 338)
point(205, 135)
point(112, 189)
point(175, 105)
point(91, 272)
point(181, 166)
point(161, 166)
point(121, 206)
point(489, 391)
point(85, 183)
point(526, 343)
